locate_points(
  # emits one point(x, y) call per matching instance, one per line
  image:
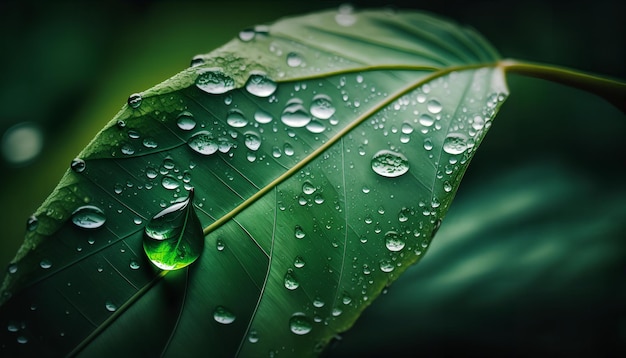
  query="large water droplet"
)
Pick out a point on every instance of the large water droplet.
point(134, 100)
point(173, 238)
point(223, 315)
point(214, 81)
point(88, 217)
point(389, 164)
point(262, 117)
point(295, 115)
point(260, 85)
point(78, 165)
point(185, 121)
point(455, 143)
point(299, 324)
point(252, 141)
point(386, 265)
point(294, 59)
point(393, 241)
point(236, 119)
point(434, 106)
point(203, 143)
point(322, 106)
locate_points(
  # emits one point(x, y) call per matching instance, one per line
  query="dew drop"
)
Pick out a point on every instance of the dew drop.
point(318, 302)
point(288, 150)
point(170, 183)
point(196, 61)
point(134, 100)
point(203, 143)
point(308, 188)
point(214, 81)
point(290, 281)
point(223, 315)
point(88, 217)
point(426, 120)
point(22, 340)
point(262, 117)
point(260, 85)
point(346, 299)
point(406, 128)
point(478, 123)
point(185, 121)
point(253, 337)
point(173, 238)
point(428, 144)
point(322, 106)
point(455, 143)
point(219, 244)
point(299, 262)
point(252, 141)
point(110, 306)
point(299, 233)
point(247, 35)
point(299, 324)
point(295, 115)
point(31, 223)
point(45, 264)
point(393, 241)
point(236, 119)
point(149, 143)
point(128, 149)
point(434, 106)
point(315, 126)
point(386, 266)
point(447, 187)
point(389, 164)
point(78, 165)
point(294, 59)
point(134, 265)
point(12, 268)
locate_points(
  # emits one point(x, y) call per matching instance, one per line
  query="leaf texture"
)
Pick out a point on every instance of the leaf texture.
point(323, 150)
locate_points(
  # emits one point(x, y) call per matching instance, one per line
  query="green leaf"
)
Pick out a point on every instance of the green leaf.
point(323, 150)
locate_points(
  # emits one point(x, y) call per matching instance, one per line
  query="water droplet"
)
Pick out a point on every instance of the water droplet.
point(315, 126)
point(299, 233)
point(478, 123)
point(236, 119)
point(127, 149)
point(389, 164)
point(12, 268)
point(253, 336)
point(31, 223)
point(386, 266)
point(78, 165)
point(294, 59)
point(403, 215)
point(134, 100)
point(149, 143)
point(223, 315)
point(134, 265)
point(110, 306)
point(203, 143)
point(434, 106)
point(308, 188)
point(219, 244)
point(252, 141)
point(406, 128)
point(260, 85)
point(214, 81)
point(196, 61)
point(299, 324)
point(88, 217)
point(319, 199)
point(170, 183)
point(288, 150)
point(447, 187)
point(247, 35)
point(426, 120)
point(173, 238)
point(22, 340)
point(393, 241)
point(185, 121)
point(290, 281)
point(322, 106)
point(295, 115)
point(345, 15)
point(299, 262)
point(455, 143)
point(262, 117)
point(45, 264)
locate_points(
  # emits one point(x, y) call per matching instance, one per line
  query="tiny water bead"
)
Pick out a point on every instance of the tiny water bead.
point(322, 106)
point(134, 100)
point(203, 143)
point(214, 81)
point(389, 164)
point(222, 315)
point(455, 143)
point(236, 119)
point(260, 85)
point(78, 165)
point(186, 121)
point(173, 238)
point(88, 217)
point(294, 59)
point(299, 324)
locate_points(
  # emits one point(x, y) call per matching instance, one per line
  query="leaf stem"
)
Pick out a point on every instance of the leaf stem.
point(613, 91)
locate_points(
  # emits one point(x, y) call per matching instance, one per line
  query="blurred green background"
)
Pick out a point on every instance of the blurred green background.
point(531, 259)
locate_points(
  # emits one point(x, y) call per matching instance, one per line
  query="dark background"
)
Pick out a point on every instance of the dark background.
point(531, 259)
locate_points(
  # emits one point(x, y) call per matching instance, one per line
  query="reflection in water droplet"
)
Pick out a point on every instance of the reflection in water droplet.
point(407, 128)
point(478, 123)
point(262, 117)
point(389, 164)
point(455, 143)
point(78, 165)
point(290, 282)
point(173, 238)
point(127, 149)
point(88, 217)
point(346, 299)
point(288, 149)
point(110, 306)
point(185, 121)
point(447, 187)
point(386, 265)
point(203, 143)
point(22, 340)
point(294, 59)
point(134, 265)
point(295, 115)
point(317, 302)
point(345, 15)
point(316, 126)
point(426, 120)
point(322, 106)
point(299, 324)
point(308, 188)
point(223, 315)
point(252, 140)
point(434, 106)
point(236, 119)
point(247, 35)
point(214, 81)
point(134, 100)
point(170, 183)
point(197, 60)
point(260, 85)
point(299, 262)
point(45, 264)
point(393, 241)
point(149, 143)
point(428, 144)
point(299, 233)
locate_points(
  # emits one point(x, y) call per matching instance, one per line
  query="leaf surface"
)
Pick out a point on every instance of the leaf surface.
point(323, 151)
